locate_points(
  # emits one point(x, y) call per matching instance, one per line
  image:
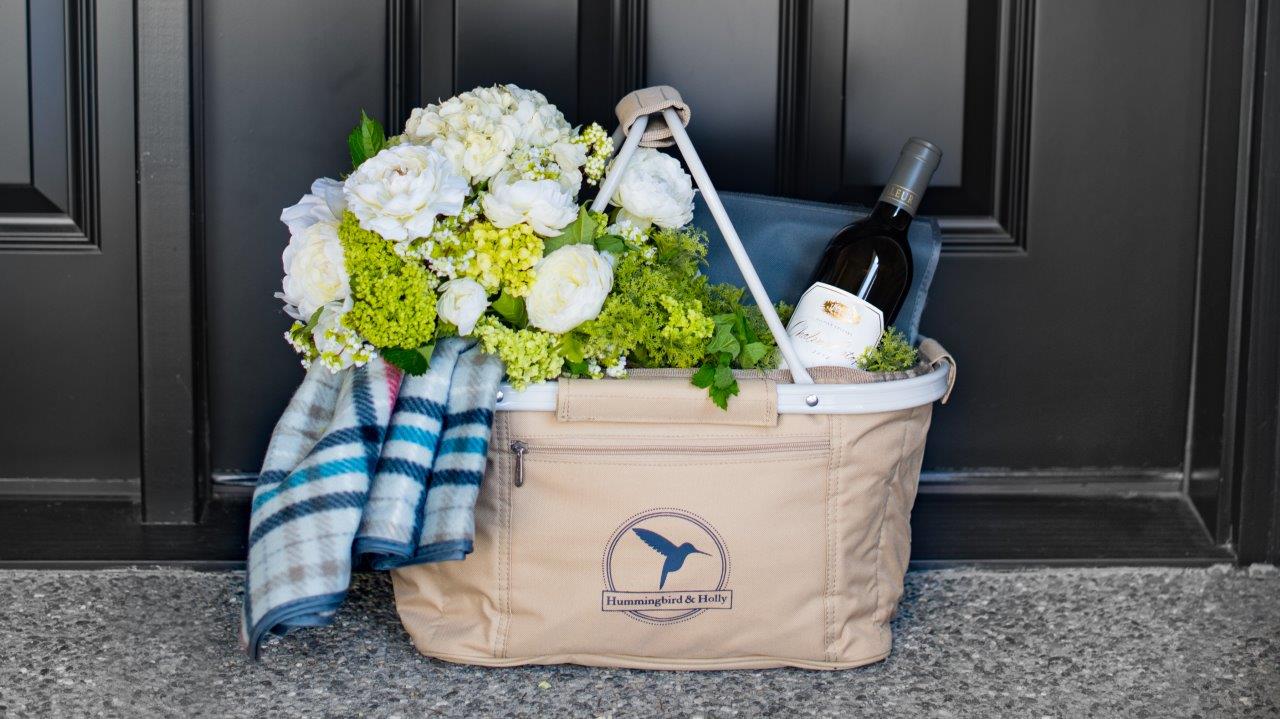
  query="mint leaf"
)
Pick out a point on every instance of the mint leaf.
point(366, 140)
point(752, 353)
point(580, 231)
point(511, 309)
point(610, 243)
point(724, 341)
point(704, 376)
point(412, 361)
point(721, 395)
point(724, 378)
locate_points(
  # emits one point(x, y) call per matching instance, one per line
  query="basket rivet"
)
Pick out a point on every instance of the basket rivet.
point(811, 400)
point(500, 396)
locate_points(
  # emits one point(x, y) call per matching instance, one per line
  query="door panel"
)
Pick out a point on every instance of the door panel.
point(278, 103)
point(68, 278)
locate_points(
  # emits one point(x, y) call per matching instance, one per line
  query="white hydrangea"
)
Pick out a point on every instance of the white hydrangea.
point(655, 189)
point(543, 204)
point(489, 130)
point(399, 192)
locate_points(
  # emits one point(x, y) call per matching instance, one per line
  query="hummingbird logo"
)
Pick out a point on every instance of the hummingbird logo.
point(673, 556)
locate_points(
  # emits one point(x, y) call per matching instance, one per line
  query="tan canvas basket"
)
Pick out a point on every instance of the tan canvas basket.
point(632, 523)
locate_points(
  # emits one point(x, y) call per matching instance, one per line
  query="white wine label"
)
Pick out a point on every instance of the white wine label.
point(831, 327)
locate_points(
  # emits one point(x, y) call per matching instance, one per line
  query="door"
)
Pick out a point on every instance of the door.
point(1099, 201)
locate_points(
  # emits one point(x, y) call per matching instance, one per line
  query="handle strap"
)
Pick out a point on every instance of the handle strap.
point(666, 101)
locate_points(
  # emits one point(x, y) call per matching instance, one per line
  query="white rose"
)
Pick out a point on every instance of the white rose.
point(655, 189)
point(544, 204)
point(325, 203)
point(399, 192)
point(461, 303)
point(314, 273)
point(569, 288)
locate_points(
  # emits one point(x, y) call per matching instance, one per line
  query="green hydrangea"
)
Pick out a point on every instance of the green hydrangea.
point(655, 314)
point(393, 300)
point(530, 355)
point(499, 258)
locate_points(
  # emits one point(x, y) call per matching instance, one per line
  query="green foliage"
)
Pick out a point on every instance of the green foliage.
point(366, 140)
point(581, 231)
point(393, 300)
point(891, 354)
point(415, 361)
point(736, 344)
point(654, 316)
point(511, 309)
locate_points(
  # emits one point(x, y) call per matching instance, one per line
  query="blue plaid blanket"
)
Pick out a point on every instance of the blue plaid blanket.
point(365, 468)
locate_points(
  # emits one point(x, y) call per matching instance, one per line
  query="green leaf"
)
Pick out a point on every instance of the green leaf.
point(580, 231)
point(752, 352)
point(577, 369)
point(724, 341)
point(512, 310)
point(724, 378)
point(366, 140)
point(704, 376)
point(315, 320)
point(570, 348)
point(611, 243)
point(721, 395)
point(412, 361)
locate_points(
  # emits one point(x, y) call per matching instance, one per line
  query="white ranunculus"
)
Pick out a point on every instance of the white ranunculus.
point(569, 288)
point(655, 189)
point(461, 303)
point(314, 273)
point(324, 203)
point(544, 204)
point(399, 192)
point(485, 151)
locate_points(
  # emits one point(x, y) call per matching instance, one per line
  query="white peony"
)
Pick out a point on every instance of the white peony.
point(544, 204)
point(461, 303)
point(325, 203)
point(314, 273)
point(399, 192)
point(654, 189)
point(569, 288)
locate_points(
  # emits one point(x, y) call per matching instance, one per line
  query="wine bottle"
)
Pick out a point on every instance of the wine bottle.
point(862, 279)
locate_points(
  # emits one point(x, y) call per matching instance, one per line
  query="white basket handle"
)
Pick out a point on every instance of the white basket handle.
point(675, 124)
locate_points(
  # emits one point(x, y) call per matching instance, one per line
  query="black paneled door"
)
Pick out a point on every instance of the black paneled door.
point(1102, 199)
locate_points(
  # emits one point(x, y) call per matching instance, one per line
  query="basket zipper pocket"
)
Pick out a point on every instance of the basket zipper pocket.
point(521, 448)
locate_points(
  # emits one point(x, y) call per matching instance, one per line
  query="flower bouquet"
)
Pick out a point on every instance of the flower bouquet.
point(472, 223)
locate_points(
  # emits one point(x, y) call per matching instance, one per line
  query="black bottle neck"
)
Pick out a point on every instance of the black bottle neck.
point(891, 217)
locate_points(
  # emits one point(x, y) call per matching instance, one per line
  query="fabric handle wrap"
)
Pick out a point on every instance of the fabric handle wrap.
point(633, 112)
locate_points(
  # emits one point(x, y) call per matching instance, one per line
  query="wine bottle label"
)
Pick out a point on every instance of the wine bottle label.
point(831, 327)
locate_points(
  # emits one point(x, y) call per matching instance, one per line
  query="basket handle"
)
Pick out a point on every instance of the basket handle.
point(675, 124)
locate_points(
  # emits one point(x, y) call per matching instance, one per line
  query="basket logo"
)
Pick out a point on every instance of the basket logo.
point(665, 565)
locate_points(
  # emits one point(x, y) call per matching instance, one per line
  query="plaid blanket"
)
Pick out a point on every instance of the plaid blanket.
point(365, 468)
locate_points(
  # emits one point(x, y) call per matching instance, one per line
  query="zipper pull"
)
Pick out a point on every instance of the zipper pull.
point(519, 448)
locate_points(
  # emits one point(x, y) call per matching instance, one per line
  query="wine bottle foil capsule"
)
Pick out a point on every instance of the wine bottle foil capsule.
point(916, 164)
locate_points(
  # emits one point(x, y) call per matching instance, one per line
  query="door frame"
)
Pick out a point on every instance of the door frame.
point(179, 514)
